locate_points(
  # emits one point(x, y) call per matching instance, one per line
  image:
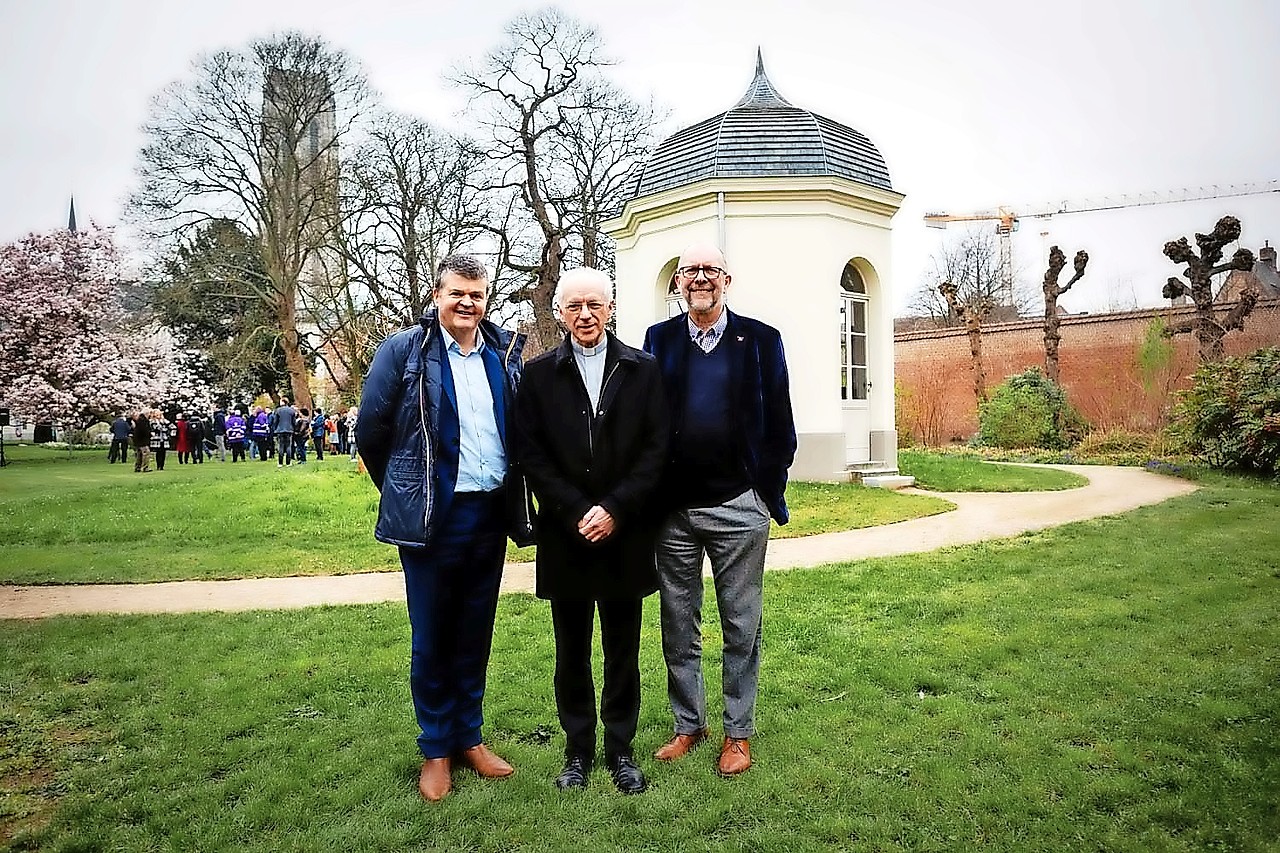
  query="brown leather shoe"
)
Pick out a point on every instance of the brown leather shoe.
point(482, 760)
point(735, 756)
point(679, 746)
point(434, 781)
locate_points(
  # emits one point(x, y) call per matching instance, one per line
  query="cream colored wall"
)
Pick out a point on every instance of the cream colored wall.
point(787, 266)
point(786, 255)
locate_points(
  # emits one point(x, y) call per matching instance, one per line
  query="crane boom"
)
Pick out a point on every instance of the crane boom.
point(1048, 209)
point(1006, 217)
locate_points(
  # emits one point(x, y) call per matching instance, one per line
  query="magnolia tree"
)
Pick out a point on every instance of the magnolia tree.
point(67, 352)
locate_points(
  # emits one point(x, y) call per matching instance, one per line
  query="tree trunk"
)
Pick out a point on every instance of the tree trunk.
point(1051, 339)
point(544, 316)
point(975, 353)
point(291, 344)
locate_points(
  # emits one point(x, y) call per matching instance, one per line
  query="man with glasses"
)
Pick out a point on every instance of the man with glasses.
point(732, 441)
point(591, 423)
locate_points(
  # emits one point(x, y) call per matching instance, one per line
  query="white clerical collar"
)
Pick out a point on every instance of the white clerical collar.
point(587, 352)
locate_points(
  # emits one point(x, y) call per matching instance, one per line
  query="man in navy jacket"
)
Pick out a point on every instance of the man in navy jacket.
point(435, 414)
point(732, 440)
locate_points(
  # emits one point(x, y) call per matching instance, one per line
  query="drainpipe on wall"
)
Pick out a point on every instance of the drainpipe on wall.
point(720, 219)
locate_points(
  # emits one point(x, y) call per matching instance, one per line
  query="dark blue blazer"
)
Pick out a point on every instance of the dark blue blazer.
point(759, 396)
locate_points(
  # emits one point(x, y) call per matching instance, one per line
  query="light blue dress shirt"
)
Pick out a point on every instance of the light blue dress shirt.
point(482, 460)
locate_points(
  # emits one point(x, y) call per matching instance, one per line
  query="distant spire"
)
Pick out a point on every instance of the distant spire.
point(71, 219)
point(761, 92)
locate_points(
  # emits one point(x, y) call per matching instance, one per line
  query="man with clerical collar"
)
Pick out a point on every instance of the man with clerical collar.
point(434, 427)
point(732, 440)
point(591, 427)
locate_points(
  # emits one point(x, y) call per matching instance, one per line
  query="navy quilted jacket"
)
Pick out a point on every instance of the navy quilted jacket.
point(407, 431)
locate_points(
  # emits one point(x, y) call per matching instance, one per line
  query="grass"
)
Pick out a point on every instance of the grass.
point(1108, 685)
point(75, 519)
point(72, 518)
point(955, 473)
point(826, 507)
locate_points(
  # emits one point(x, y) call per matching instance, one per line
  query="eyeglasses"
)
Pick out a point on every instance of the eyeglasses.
point(594, 306)
point(691, 273)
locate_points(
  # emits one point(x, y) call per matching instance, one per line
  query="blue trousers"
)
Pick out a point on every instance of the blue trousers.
point(452, 591)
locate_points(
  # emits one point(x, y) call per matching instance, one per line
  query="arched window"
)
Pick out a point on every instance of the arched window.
point(853, 335)
point(672, 301)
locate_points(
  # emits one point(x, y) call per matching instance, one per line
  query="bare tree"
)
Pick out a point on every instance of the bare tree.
point(611, 134)
point(1208, 328)
point(972, 314)
point(409, 196)
point(563, 138)
point(1052, 290)
point(253, 136)
point(973, 264)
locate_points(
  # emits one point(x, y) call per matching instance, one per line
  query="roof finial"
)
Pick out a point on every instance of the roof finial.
point(761, 94)
point(71, 218)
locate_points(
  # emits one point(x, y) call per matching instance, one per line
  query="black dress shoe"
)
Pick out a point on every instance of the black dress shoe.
point(574, 774)
point(626, 775)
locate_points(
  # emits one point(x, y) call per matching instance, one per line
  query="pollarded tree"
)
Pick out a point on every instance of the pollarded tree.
point(253, 136)
point(972, 313)
point(563, 139)
point(1052, 290)
point(1209, 324)
point(67, 350)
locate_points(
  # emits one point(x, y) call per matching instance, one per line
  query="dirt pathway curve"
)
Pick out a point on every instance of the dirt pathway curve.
point(978, 516)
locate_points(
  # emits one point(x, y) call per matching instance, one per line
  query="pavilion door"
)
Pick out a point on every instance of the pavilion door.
point(855, 387)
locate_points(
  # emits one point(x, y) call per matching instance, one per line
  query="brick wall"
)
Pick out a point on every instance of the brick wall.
point(1098, 366)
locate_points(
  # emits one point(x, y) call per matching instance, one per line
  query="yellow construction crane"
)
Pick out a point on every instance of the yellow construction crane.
point(1007, 217)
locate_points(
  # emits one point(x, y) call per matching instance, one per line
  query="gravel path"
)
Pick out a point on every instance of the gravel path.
point(978, 516)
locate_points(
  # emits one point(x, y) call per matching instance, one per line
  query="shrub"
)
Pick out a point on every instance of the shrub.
point(1230, 416)
point(1029, 410)
point(1116, 441)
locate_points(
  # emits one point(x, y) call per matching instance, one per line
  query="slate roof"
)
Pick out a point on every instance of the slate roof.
point(763, 135)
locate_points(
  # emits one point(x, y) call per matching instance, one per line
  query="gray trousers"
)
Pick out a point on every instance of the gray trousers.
point(733, 535)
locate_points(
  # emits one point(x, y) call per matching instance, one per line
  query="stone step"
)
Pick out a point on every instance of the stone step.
point(878, 475)
point(889, 481)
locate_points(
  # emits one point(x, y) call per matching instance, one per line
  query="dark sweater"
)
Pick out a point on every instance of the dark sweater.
point(708, 463)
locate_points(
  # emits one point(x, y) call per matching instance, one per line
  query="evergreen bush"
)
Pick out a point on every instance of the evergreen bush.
point(1029, 410)
point(1230, 416)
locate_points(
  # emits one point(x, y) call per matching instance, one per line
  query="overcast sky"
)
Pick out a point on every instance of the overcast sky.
point(973, 104)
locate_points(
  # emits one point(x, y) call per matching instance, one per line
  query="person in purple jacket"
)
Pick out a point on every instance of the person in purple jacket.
point(235, 435)
point(261, 432)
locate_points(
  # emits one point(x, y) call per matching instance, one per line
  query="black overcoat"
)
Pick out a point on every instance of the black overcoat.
point(575, 458)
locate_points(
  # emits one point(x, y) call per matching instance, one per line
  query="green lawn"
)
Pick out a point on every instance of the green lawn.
point(954, 473)
point(1109, 685)
point(72, 518)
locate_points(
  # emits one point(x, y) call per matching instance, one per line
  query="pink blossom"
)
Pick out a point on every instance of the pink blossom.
point(67, 351)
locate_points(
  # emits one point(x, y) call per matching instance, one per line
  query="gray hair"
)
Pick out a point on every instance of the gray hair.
point(466, 266)
point(584, 275)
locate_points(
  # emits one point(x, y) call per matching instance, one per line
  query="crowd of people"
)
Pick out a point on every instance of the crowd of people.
point(284, 433)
